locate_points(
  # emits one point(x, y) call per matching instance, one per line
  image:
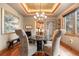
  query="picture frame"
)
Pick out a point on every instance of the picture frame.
point(28, 26)
point(10, 22)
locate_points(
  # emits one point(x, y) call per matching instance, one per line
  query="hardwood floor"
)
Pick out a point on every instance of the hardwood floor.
point(69, 50)
point(11, 52)
point(65, 51)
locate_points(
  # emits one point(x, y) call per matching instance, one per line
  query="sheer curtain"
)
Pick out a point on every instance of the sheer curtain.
point(49, 30)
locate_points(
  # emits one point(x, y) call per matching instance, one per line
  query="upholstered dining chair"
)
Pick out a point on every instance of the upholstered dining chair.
point(25, 49)
point(53, 49)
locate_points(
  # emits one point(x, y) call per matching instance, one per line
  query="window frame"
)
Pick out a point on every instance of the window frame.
point(76, 30)
point(73, 21)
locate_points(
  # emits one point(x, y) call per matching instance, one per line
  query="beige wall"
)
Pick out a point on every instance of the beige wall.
point(5, 37)
point(30, 21)
point(72, 41)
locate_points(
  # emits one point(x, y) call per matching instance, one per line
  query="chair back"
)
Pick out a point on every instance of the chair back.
point(24, 42)
point(56, 42)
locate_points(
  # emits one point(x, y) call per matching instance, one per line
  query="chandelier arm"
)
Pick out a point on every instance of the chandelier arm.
point(40, 15)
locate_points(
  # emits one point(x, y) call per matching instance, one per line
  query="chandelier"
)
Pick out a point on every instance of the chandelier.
point(40, 15)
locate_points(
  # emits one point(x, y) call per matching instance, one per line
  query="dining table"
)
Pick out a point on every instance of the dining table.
point(39, 39)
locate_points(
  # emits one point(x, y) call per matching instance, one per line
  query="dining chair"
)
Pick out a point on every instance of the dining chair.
point(25, 49)
point(53, 48)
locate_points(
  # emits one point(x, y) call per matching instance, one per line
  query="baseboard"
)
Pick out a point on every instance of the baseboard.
point(70, 48)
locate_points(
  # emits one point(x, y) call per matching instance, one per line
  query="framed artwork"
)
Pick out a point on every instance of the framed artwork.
point(28, 27)
point(10, 22)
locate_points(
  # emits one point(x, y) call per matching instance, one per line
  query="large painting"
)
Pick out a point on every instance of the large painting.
point(9, 22)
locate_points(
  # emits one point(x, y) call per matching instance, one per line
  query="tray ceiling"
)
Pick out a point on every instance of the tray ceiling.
point(50, 9)
point(32, 8)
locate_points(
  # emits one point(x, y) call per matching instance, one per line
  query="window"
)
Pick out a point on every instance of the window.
point(72, 22)
point(69, 22)
point(78, 21)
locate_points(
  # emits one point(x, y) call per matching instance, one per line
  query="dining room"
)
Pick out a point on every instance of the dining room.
point(39, 29)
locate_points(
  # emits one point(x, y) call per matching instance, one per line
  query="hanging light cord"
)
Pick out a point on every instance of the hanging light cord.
point(40, 8)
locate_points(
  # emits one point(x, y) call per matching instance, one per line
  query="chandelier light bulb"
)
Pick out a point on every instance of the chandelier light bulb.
point(45, 17)
point(40, 16)
point(35, 17)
